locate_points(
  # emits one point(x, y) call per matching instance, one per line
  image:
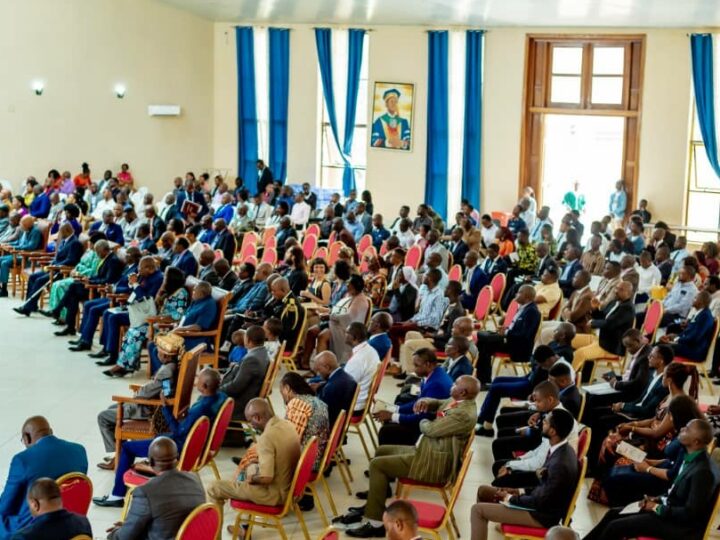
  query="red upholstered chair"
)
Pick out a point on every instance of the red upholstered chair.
point(583, 440)
point(702, 366)
point(653, 315)
point(432, 517)
point(191, 452)
point(364, 243)
point(519, 532)
point(313, 228)
point(249, 237)
point(321, 253)
point(482, 307)
point(269, 256)
point(455, 273)
point(413, 257)
point(216, 438)
point(498, 284)
point(76, 491)
point(383, 249)
point(334, 251)
point(329, 534)
point(272, 515)
point(309, 245)
point(270, 242)
point(248, 252)
point(203, 523)
point(554, 314)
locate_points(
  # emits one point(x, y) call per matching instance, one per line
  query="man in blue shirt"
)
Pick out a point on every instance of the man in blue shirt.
point(208, 404)
point(679, 300)
point(40, 206)
point(226, 210)
point(354, 226)
point(379, 339)
point(618, 202)
point(30, 240)
point(183, 258)
point(112, 230)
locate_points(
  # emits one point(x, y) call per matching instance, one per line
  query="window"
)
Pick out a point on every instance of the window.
point(703, 197)
point(331, 163)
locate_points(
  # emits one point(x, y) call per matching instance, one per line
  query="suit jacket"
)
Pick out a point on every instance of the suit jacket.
point(108, 272)
point(551, 499)
point(571, 399)
point(498, 266)
point(158, 508)
point(546, 263)
point(281, 235)
point(459, 250)
point(225, 242)
point(228, 281)
point(337, 393)
point(645, 408)
point(48, 457)
point(521, 336)
point(437, 386)
point(114, 232)
point(186, 262)
point(158, 227)
point(613, 322)
point(40, 206)
point(477, 281)
point(148, 244)
point(210, 275)
point(439, 452)
point(639, 375)
point(693, 343)
point(169, 213)
point(58, 525)
point(243, 381)
point(461, 367)
point(631, 276)
point(292, 314)
point(69, 252)
point(406, 302)
point(452, 312)
point(566, 276)
point(195, 197)
point(265, 178)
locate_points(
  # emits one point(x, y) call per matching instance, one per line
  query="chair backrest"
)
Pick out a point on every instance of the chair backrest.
point(249, 237)
point(583, 400)
point(272, 372)
point(330, 534)
point(44, 228)
point(554, 314)
point(321, 253)
point(331, 238)
point(510, 313)
point(497, 284)
point(203, 523)
point(194, 445)
point(267, 233)
point(413, 257)
point(713, 339)
point(303, 473)
point(271, 242)
point(364, 242)
point(583, 443)
point(336, 437)
point(457, 487)
point(269, 256)
point(299, 336)
point(334, 251)
point(218, 431)
point(483, 304)
point(309, 245)
point(76, 491)
point(653, 315)
point(186, 379)
point(383, 248)
point(249, 250)
point(313, 228)
point(578, 488)
point(455, 273)
point(353, 408)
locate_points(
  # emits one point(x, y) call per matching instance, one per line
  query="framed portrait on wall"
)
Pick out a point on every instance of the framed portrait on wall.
point(392, 117)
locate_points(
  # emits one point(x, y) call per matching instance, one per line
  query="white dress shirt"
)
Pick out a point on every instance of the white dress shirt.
point(361, 366)
point(101, 207)
point(488, 234)
point(406, 238)
point(648, 278)
point(300, 213)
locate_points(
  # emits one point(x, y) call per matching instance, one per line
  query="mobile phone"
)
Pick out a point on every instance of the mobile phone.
point(167, 389)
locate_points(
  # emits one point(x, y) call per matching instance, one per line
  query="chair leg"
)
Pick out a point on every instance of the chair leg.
point(705, 375)
point(592, 373)
point(299, 515)
point(362, 440)
point(370, 426)
point(333, 508)
point(318, 503)
point(214, 468)
point(346, 465)
point(452, 521)
point(345, 474)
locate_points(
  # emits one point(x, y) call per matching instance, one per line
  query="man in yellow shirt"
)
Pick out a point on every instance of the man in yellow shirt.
point(548, 292)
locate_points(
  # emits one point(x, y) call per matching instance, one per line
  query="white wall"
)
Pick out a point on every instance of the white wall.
point(82, 49)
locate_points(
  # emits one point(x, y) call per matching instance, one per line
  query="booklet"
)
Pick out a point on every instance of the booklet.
point(631, 452)
point(632, 508)
point(381, 405)
point(599, 389)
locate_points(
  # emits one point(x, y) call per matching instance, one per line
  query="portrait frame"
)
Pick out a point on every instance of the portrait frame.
point(403, 130)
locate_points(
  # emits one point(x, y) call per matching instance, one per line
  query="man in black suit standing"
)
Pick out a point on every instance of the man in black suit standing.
point(159, 507)
point(547, 503)
point(684, 511)
point(265, 176)
point(338, 388)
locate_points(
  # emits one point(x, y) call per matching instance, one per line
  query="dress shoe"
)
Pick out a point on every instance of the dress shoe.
point(21, 311)
point(82, 346)
point(366, 531)
point(105, 363)
point(102, 353)
point(105, 502)
point(306, 503)
point(117, 371)
point(362, 495)
point(107, 465)
point(3, 293)
point(485, 387)
point(485, 432)
point(47, 313)
point(67, 332)
point(400, 376)
point(349, 518)
point(58, 322)
point(357, 509)
point(76, 341)
point(716, 382)
point(236, 460)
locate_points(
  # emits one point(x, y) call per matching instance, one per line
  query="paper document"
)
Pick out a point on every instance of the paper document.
point(516, 507)
point(631, 452)
point(599, 389)
point(381, 405)
point(632, 508)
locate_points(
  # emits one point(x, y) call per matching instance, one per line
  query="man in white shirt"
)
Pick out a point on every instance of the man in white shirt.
point(363, 362)
point(405, 235)
point(107, 203)
point(648, 277)
point(488, 230)
point(260, 212)
point(300, 213)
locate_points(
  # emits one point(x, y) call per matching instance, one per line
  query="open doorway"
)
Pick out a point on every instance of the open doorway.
point(586, 149)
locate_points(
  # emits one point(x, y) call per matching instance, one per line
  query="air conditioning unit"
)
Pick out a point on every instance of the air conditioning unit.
point(164, 110)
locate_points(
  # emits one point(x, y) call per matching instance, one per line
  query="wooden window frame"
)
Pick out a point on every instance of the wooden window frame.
point(536, 101)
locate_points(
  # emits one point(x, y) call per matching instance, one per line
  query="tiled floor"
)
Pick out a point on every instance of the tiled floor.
point(40, 376)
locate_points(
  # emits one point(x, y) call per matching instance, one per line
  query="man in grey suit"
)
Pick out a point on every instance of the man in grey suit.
point(158, 509)
point(243, 381)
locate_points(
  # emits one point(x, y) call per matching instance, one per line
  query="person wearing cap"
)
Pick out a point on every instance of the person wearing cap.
point(389, 130)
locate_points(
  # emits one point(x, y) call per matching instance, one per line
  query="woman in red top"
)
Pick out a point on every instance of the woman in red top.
point(83, 179)
point(125, 177)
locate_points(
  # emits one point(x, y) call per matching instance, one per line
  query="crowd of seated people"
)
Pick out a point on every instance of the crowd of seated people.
point(149, 282)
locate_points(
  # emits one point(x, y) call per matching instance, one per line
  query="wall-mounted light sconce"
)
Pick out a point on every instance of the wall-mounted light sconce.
point(38, 87)
point(120, 91)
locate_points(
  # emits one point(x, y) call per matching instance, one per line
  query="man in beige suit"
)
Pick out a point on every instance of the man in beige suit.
point(576, 311)
point(267, 480)
point(436, 458)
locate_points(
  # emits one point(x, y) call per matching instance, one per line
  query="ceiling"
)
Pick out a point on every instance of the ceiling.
point(474, 13)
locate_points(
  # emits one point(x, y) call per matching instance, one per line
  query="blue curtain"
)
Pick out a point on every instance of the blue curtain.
point(279, 74)
point(323, 42)
point(356, 39)
point(247, 109)
point(701, 47)
point(436, 166)
point(472, 133)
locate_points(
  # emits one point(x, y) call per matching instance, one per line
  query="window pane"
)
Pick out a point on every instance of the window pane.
point(330, 154)
point(565, 90)
point(331, 177)
point(359, 147)
point(608, 60)
point(703, 211)
point(362, 103)
point(567, 60)
point(607, 90)
point(702, 173)
point(696, 134)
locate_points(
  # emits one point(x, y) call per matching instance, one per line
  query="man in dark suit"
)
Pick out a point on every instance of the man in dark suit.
point(287, 308)
point(112, 230)
point(284, 231)
point(192, 195)
point(228, 278)
point(171, 209)
point(183, 257)
point(159, 507)
point(337, 389)
point(572, 267)
point(474, 279)
point(157, 225)
point(50, 520)
point(545, 260)
point(457, 363)
point(517, 340)
point(68, 253)
point(683, 513)
point(243, 381)
point(561, 375)
point(548, 502)
point(45, 456)
point(265, 176)
point(695, 339)
point(494, 263)
point(206, 270)
point(224, 240)
point(613, 322)
point(40, 205)
point(458, 248)
point(108, 273)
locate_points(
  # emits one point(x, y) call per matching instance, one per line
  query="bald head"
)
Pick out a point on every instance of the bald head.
point(208, 381)
point(462, 326)
point(624, 290)
point(34, 429)
point(44, 496)
point(280, 287)
point(380, 322)
point(263, 271)
point(258, 412)
point(525, 294)
point(163, 454)
point(466, 387)
point(325, 363)
point(561, 533)
point(207, 256)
